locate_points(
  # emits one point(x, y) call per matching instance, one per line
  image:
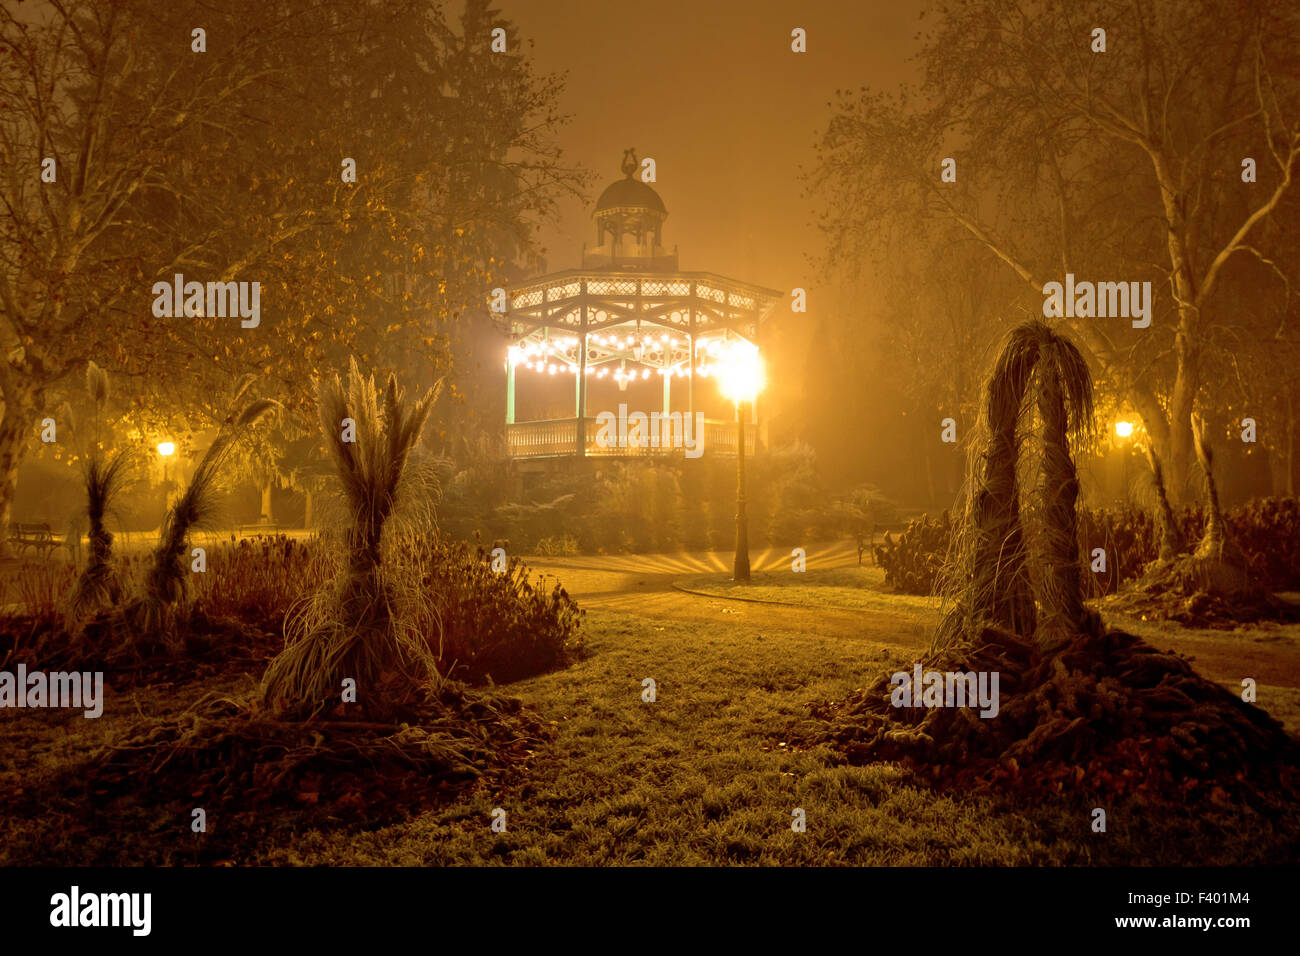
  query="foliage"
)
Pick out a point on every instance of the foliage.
point(1267, 530)
point(914, 562)
point(455, 167)
point(561, 546)
point(151, 615)
point(496, 626)
point(655, 505)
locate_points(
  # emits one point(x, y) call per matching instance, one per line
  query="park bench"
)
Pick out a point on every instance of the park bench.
point(865, 539)
point(38, 536)
point(259, 527)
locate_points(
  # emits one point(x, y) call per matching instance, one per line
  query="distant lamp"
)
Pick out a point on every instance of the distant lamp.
point(1123, 429)
point(166, 449)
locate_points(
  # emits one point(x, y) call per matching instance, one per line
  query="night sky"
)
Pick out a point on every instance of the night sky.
point(713, 92)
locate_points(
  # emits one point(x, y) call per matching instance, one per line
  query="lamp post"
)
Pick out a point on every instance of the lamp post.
point(166, 450)
point(740, 376)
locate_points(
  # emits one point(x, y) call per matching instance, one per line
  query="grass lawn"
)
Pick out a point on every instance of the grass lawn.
point(846, 588)
point(705, 775)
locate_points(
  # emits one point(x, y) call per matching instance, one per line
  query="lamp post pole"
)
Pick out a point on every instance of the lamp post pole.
point(1125, 432)
point(740, 573)
point(1128, 498)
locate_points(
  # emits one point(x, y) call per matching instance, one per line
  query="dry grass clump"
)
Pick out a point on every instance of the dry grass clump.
point(1082, 707)
point(355, 629)
point(99, 585)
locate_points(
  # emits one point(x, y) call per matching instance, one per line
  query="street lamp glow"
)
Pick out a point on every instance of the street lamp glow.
point(167, 448)
point(1123, 429)
point(740, 372)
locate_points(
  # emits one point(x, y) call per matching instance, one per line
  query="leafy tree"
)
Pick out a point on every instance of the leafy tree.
point(228, 165)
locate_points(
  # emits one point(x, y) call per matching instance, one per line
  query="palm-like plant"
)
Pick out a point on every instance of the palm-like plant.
point(167, 582)
point(987, 577)
point(97, 586)
point(352, 631)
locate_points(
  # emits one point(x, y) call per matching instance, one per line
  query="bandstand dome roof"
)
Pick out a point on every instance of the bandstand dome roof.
point(630, 192)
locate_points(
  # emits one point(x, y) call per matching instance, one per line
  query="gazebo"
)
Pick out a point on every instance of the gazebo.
point(635, 334)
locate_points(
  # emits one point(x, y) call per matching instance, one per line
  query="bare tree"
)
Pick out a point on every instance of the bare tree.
point(1072, 160)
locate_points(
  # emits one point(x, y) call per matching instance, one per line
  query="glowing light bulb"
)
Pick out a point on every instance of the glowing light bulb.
point(740, 372)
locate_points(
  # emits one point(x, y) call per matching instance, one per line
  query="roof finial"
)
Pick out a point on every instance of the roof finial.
point(630, 163)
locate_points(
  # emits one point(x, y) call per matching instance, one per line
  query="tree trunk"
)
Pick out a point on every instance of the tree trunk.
point(266, 515)
point(1181, 451)
point(13, 447)
point(1181, 405)
point(306, 512)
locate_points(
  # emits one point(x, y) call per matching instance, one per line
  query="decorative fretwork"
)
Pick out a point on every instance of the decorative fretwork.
point(701, 302)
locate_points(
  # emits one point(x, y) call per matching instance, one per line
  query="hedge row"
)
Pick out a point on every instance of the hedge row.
point(655, 506)
point(1267, 530)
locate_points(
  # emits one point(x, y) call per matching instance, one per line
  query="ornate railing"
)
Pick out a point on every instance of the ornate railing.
point(558, 437)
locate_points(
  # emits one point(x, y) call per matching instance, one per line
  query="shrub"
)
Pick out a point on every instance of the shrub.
point(912, 563)
point(256, 580)
point(1267, 531)
point(650, 505)
point(526, 524)
point(558, 546)
point(496, 626)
